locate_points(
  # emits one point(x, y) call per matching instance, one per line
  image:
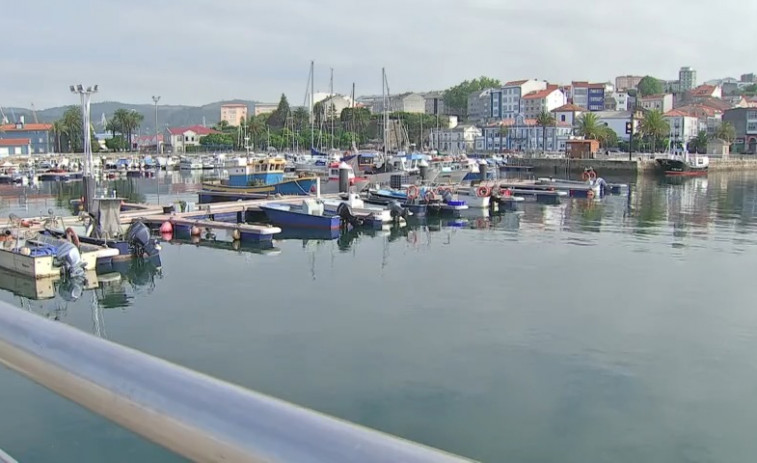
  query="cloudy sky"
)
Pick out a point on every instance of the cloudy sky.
point(200, 51)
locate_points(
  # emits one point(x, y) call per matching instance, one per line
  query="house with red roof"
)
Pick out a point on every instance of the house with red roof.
point(539, 101)
point(36, 138)
point(709, 118)
point(15, 147)
point(568, 113)
point(706, 91)
point(179, 138)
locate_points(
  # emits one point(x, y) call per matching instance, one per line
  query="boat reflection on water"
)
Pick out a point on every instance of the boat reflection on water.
point(221, 239)
point(52, 297)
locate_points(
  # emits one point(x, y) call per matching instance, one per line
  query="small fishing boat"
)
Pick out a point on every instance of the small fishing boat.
point(358, 208)
point(260, 176)
point(44, 256)
point(683, 165)
point(309, 214)
point(187, 163)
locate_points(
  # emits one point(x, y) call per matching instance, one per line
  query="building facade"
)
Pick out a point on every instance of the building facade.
point(542, 101)
point(683, 127)
point(687, 78)
point(627, 82)
point(662, 102)
point(434, 103)
point(15, 147)
point(234, 114)
point(505, 102)
point(458, 140)
point(568, 114)
point(334, 105)
point(589, 96)
point(181, 137)
point(479, 106)
point(617, 101)
point(522, 134)
point(744, 120)
point(263, 108)
point(40, 136)
point(616, 120)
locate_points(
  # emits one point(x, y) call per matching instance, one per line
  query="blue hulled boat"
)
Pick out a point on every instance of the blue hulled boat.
point(309, 215)
point(262, 177)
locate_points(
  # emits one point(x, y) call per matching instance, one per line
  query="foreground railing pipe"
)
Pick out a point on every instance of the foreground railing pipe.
point(195, 415)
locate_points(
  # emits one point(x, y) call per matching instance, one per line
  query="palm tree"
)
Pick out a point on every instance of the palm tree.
point(544, 120)
point(655, 127)
point(699, 143)
point(504, 131)
point(607, 136)
point(726, 132)
point(589, 126)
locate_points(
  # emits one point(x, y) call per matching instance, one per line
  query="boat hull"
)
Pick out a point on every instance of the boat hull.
point(296, 219)
point(300, 186)
point(678, 167)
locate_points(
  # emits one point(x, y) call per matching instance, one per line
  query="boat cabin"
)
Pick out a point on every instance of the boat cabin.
point(258, 172)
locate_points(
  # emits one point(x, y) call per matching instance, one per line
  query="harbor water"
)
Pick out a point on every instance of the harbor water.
point(622, 329)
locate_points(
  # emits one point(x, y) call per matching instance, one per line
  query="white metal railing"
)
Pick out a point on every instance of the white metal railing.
point(195, 415)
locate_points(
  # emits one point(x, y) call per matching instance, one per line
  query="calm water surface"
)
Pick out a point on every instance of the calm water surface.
point(619, 330)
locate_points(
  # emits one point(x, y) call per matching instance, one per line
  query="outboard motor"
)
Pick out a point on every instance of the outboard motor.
point(69, 258)
point(138, 237)
point(71, 288)
point(447, 196)
point(344, 211)
point(603, 186)
point(396, 210)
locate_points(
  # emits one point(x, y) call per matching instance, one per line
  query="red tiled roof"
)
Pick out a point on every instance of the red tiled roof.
point(15, 141)
point(569, 107)
point(695, 110)
point(715, 103)
point(580, 83)
point(513, 83)
point(596, 85)
point(26, 127)
point(539, 94)
point(703, 90)
point(198, 129)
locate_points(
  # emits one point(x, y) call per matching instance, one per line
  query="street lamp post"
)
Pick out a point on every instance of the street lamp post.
point(88, 179)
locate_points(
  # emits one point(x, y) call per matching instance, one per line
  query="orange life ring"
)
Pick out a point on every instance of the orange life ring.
point(585, 176)
point(71, 236)
point(429, 195)
point(483, 191)
point(506, 192)
point(590, 194)
point(412, 192)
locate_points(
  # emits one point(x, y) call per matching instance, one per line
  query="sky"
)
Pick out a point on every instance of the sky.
point(195, 52)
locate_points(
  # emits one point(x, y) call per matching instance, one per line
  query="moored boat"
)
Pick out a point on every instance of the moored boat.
point(261, 176)
point(308, 214)
point(684, 165)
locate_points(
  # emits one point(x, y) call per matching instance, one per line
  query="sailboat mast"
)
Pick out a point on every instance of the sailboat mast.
point(352, 116)
point(383, 98)
point(312, 105)
point(331, 105)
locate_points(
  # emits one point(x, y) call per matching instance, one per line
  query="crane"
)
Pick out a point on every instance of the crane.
point(34, 113)
point(3, 117)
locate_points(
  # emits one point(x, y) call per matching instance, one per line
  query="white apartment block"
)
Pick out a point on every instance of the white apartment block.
point(506, 101)
point(458, 140)
point(542, 101)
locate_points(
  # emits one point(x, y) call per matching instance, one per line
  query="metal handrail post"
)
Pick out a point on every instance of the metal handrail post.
point(195, 415)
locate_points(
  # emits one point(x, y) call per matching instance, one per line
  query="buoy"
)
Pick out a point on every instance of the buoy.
point(25, 251)
point(194, 239)
point(166, 236)
point(26, 223)
point(236, 234)
point(483, 191)
point(195, 231)
point(166, 227)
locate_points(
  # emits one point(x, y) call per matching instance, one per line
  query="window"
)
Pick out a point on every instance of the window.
point(751, 114)
point(751, 127)
point(562, 118)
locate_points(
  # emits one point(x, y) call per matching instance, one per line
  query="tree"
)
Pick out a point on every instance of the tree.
point(456, 98)
point(127, 122)
point(655, 127)
point(544, 120)
point(649, 86)
point(300, 118)
point(698, 144)
point(726, 132)
point(223, 126)
point(217, 140)
point(588, 126)
point(70, 130)
point(116, 143)
point(607, 137)
point(278, 118)
point(749, 90)
point(504, 132)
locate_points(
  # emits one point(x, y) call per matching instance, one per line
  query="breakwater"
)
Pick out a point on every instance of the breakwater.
point(640, 166)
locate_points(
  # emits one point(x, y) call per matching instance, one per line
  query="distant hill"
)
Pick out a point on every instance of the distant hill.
point(168, 116)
